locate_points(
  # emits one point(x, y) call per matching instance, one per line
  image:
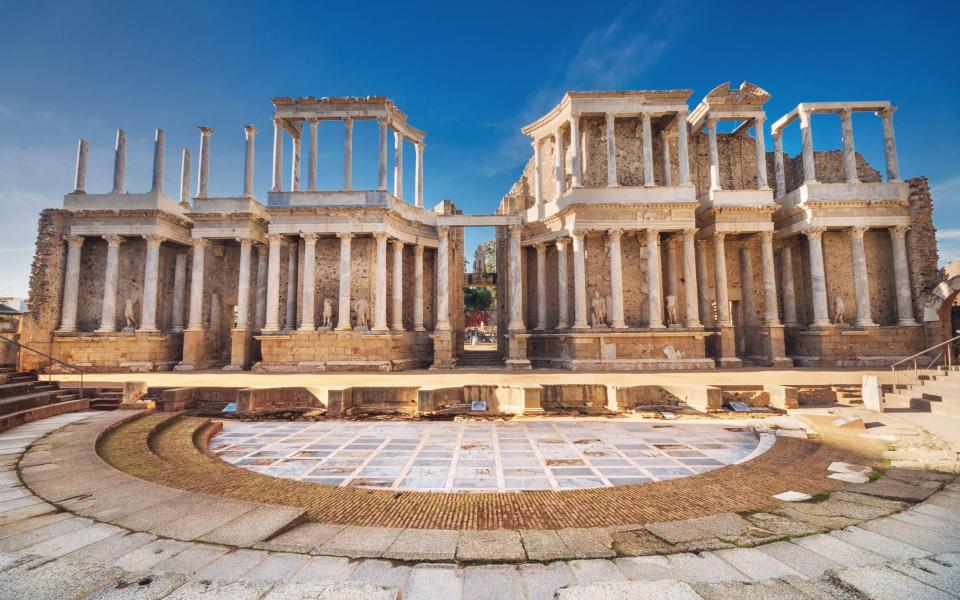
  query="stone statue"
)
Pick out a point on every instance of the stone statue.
point(672, 310)
point(598, 305)
point(360, 306)
point(672, 353)
point(480, 261)
point(839, 310)
point(128, 315)
point(327, 313)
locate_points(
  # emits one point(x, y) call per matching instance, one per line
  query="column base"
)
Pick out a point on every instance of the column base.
point(307, 328)
point(194, 350)
point(419, 328)
point(148, 330)
point(241, 350)
point(66, 330)
point(104, 330)
point(344, 328)
point(907, 323)
point(562, 326)
point(866, 323)
point(443, 357)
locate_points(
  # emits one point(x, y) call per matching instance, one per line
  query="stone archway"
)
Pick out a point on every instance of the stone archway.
point(937, 312)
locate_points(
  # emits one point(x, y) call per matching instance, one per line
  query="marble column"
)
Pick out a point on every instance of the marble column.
point(277, 156)
point(203, 176)
point(849, 149)
point(158, 143)
point(683, 153)
point(249, 132)
point(185, 159)
point(703, 285)
point(398, 164)
point(654, 283)
point(563, 311)
point(418, 288)
point(714, 154)
point(746, 285)
point(771, 312)
point(789, 289)
point(418, 175)
point(579, 281)
point(861, 282)
point(312, 153)
point(576, 176)
point(179, 291)
point(806, 140)
point(516, 280)
point(108, 318)
point(380, 283)
point(537, 174)
point(243, 285)
point(308, 311)
point(119, 162)
point(397, 287)
point(901, 274)
point(261, 305)
point(442, 267)
point(616, 280)
point(890, 145)
point(80, 183)
point(558, 170)
point(648, 179)
point(720, 273)
point(670, 272)
point(382, 154)
point(760, 148)
point(151, 273)
point(290, 318)
point(818, 277)
point(778, 164)
point(665, 146)
point(347, 155)
point(541, 248)
point(195, 320)
point(611, 151)
point(343, 308)
point(71, 284)
point(272, 322)
point(690, 295)
point(295, 165)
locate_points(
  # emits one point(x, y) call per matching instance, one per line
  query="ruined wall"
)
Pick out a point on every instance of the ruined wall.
point(922, 253)
point(828, 166)
point(46, 287)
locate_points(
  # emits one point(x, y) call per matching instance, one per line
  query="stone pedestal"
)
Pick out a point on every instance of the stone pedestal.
point(517, 352)
point(443, 357)
point(241, 350)
point(774, 346)
point(194, 350)
point(726, 348)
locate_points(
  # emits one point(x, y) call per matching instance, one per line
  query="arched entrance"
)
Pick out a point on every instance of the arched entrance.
point(941, 314)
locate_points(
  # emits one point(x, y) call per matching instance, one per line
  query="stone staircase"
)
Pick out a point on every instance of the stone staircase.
point(480, 359)
point(23, 398)
point(937, 391)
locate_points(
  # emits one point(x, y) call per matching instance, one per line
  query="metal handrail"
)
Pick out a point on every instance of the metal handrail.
point(948, 352)
point(47, 356)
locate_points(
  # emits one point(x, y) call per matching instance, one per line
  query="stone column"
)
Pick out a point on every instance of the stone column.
point(746, 286)
point(579, 281)
point(611, 151)
point(901, 274)
point(71, 284)
point(108, 318)
point(714, 154)
point(418, 288)
point(347, 155)
point(243, 285)
point(665, 146)
point(576, 177)
point(343, 309)
point(380, 298)
point(558, 171)
point(312, 154)
point(249, 132)
point(806, 140)
point(849, 150)
point(516, 280)
point(204, 170)
point(760, 147)
point(669, 273)
point(119, 162)
point(648, 179)
point(290, 318)
point(818, 277)
point(273, 285)
point(151, 272)
point(308, 312)
point(690, 295)
point(789, 289)
point(442, 267)
point(563, 312)
point(541, 248)
point(261, 306)
point(195, 321)
point(890, 145)
point(277, 155)
point(778, 164)
point(683, 153)
point(720, 273)
point(295, 165)
point(537, 174)
point(703, 286)
point(771, 313)
point(80, 183)
point(654, 283)
point(397, 288)
point(179, 291)
point(418, 175)
point(185, 178)
point(616, 280)
point(398, 164)
point(861, 283)
point(382, 154)
point(158, 142)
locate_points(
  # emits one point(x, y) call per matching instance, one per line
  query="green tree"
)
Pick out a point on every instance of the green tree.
point(475, 299)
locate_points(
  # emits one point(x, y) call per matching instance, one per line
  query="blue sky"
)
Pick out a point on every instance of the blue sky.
point(469, 74)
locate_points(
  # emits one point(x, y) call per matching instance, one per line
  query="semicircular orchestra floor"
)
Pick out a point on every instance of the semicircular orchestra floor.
point(493, 456)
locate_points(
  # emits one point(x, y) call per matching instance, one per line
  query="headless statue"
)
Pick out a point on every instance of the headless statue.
point(598, 306)
point(361, 308)
point(839, 310)
point(671, 309)
point(327, 313)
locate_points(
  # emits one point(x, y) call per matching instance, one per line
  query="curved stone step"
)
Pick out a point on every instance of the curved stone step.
point(41, 412)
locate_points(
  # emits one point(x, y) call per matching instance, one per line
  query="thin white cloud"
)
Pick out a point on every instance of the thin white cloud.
point(948, 234)
point(20, 249)
point(948, 189)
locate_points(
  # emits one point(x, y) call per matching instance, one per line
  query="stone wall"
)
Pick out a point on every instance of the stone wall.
point(345, 351)
point(922, 253)
point(46, 287)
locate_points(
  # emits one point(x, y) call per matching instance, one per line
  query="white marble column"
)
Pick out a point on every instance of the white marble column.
point(537, 174)
point(295, 165)
point(648, 179)
point(901, 274)
point(273, 285)
point(683, 152)
point(203, 173)
point(380, 297)
point(579, 281)
point(670, 272)
point(308, 311)
point(890, 145)
point(818, 277)
point(108, 318)
point(849, 149)
point(71, 284)
point(418, 288)
point(576, 176)
point(611, 151)
point(806, 141)
point(243, 285)
point(714, 154)
point(343, 308)
point(347, 157)
point(541, 248)
point(861, 282)
point(654, 280)
point(277, 156)
point(80, 183)
point(563, 311)
point(261, 305)
point(516, 280)
point(746, 285)
point(312, 154)
point(771, 312)
point(195, 320)
point(179, 291)
point(616, 280)
point(789, 289)
point(397, 287)
point(398, 164)
point(690, 295)
point(290, 318)
point(778, 164)
point(558, 170)
point(418, 175)
point(760, 148)
point(665, 147)
point(185, 159)
point(151, 273)
point(249, 132)
point(119, 162)
point(442, 267)
point(703, 285)
point(720, 273)
point(382, 128)
point(158, 143)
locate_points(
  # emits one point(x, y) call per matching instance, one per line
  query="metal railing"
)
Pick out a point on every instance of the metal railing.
point(946, 353)
point(47, 356)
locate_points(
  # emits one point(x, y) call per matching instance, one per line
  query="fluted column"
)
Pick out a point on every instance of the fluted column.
point(806, 140)
point(243, 285)
point(690, 295)
point(343, 308)
point(179, 291)
point(108, 318)
point(537, 174)
point(397, 287)
point(380, 298)
point(683, 153)
point(80, 183)
point(418, 288)
point(249, 132)
point(443, 286)
point(901, 274)
point(398, 164)
point(382, 154)
point(203, 176)
point(157, 180)
point(616, 280)
point(890, 145)
point(541, 248)
point(760, 148)
point(71, 284)
point(648, 179)
point(579, 281)
point(261, 303)
point(273, 285)
point(861, 283)
point(277, 156)
point(347, 156)
point(654, 282)
point(703, 285)
point(290, 318)
point(576, 177)
point(151, 273)
point(665, 147)
point(720, 273)
point(308, 312)
point(295, 165)
point(818, 277)
point(714, 154)
point(611, 151)
point(185, 178)
point(119, 162)
point(195, 321)
point(849, 149)
point(418, 175)
point(771, 312)
point(746, 285)
point(312, 154)
point(563, 312)
point(778, 164)
point(789, 289)
point(516, 280)
point(558, 171)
